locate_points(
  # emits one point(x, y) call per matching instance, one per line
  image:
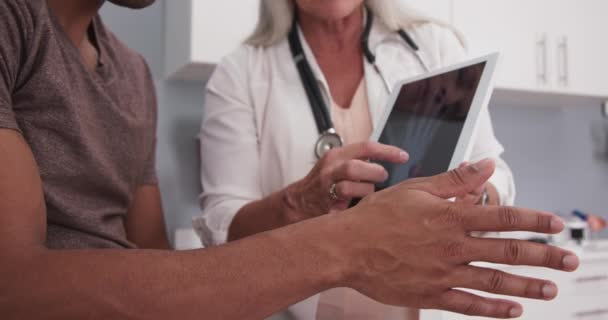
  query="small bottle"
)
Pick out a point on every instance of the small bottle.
point(578, 230)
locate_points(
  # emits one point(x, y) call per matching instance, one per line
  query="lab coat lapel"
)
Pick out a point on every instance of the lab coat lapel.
point(376, 89)
point(316, 69)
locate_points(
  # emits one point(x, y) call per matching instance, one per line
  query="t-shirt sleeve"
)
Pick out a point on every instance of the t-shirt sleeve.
point(15, 25)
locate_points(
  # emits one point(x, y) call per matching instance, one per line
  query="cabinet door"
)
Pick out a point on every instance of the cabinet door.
point(581, 49)
point(438, 9)
point(518, 30)
point(199, 33)
point(219, 27)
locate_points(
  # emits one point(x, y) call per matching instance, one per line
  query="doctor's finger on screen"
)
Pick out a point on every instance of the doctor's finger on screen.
point(425, 250)
point(343, 174)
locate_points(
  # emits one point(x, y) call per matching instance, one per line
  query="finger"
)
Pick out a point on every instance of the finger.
point(358, 170)
point(501, 219)
point(373, 151)
point(469, 199)
point(500, 282)
point(472, 197)
point(479, 191)
point(350, 190)
point(473, 305)
point(520, 252)
point(457, 182)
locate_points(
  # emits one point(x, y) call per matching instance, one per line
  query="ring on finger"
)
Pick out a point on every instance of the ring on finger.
point(333, 192)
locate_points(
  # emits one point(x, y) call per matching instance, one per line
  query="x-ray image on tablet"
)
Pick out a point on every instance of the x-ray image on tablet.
point(434, 117)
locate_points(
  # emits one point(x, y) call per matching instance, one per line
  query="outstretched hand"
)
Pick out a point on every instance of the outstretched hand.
point(412, 247)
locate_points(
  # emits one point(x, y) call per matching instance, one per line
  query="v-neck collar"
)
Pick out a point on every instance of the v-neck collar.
point(376, 94)
point(95, 41)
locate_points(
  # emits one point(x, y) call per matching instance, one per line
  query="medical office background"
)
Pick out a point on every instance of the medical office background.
point(546, 110)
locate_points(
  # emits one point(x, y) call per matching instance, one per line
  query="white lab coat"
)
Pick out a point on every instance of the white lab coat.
point(258, 132)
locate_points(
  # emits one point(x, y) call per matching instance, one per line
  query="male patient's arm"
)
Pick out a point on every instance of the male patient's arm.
point(238, 281)
point(386, 256)
point(145, 221)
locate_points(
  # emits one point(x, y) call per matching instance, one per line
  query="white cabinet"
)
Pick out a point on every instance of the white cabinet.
point(513, 28)
point(547, 46)
point(199, 33)
point(437, 9)
point(582, 54)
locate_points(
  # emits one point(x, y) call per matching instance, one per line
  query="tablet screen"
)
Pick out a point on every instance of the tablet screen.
point(427, 120)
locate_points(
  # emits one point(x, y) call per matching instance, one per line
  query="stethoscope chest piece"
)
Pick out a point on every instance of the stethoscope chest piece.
point(327, 140)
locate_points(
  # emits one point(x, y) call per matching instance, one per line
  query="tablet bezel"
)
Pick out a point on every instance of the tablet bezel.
point(481, 99)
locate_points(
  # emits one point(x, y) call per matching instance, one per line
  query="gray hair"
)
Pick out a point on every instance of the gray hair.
point(276, 17)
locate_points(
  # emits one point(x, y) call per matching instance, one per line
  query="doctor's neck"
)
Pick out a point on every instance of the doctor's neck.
point(335, 34)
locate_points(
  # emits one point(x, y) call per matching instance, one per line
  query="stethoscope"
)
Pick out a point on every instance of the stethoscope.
point(328, 137)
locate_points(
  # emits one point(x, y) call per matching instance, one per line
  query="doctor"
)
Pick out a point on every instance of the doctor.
point(313, 76)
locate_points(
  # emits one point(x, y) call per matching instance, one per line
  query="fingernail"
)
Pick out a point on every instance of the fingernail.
point(385, 175)
point(404, 156)
point(570, 262)
point(482, 165)
point(549, 291)
point(557, 224)
point(516, 312)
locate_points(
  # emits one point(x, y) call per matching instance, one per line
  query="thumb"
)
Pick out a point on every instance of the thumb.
point(460, 181)
point(464, 164)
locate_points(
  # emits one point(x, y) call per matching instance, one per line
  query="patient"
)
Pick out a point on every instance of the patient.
point(81, 228)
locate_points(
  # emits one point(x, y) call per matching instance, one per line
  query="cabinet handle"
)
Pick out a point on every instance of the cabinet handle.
point(597, 278)
point(541, 60)
point(563, 61)
point(591, 313)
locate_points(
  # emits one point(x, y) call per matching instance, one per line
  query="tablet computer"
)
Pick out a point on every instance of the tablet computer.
point(434, 118)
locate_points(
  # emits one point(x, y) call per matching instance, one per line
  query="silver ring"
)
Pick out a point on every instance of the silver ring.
point(332, 192)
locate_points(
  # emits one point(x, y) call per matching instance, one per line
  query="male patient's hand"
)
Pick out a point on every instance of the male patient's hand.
point(475, 196)
point(411, 247)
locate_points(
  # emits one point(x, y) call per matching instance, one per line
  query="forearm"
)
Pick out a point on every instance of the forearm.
point(145, 222)
point(269, 213)
point(249, 279)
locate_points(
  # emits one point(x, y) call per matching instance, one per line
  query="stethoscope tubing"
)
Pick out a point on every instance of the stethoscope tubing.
point(328, 138)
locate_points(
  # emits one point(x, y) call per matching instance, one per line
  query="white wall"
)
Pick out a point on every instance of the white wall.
point(551, 154)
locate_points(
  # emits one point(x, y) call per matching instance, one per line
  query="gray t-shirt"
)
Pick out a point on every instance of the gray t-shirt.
point(92, 133)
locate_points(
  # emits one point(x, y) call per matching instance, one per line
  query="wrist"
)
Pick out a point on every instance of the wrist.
point(339, 242)
point(317, 245)
point(290, 207)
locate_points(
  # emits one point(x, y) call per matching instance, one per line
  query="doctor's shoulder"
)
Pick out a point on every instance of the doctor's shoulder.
point(246, 62)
